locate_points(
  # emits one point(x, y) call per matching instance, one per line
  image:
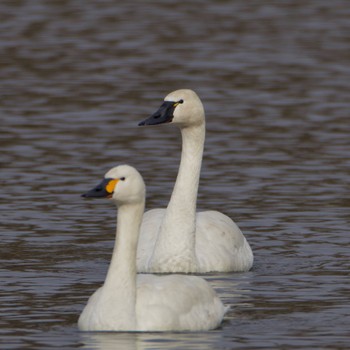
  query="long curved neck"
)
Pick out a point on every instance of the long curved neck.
point(183, 201)
point(120, 283)
point(177, 232)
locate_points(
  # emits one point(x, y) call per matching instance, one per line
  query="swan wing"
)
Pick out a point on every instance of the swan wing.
point(148, 236)
point(177, 302)
point(220, 244)
point(88, 320)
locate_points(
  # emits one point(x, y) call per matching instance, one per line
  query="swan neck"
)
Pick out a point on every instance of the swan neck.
point(186, 186)
point(176, 239)
point(120, 281)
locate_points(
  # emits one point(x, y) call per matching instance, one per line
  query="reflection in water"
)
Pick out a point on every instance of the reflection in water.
point(78, 77)
point(139, 341)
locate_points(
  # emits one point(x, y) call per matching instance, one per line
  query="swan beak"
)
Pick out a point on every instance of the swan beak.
point(164, 114)
point(105, 189)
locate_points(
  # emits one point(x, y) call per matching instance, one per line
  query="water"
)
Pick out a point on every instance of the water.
point(77, 77)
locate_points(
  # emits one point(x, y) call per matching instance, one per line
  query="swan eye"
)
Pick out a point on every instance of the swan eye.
point(122, 178)
point(178, 102)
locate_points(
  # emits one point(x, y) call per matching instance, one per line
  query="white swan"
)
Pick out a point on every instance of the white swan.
point(177, 239)
point(131, 302)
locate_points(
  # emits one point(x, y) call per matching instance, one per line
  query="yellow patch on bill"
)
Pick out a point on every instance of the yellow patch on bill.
point(111, 185)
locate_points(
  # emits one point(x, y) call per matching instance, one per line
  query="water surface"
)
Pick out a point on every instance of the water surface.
point(77, 77)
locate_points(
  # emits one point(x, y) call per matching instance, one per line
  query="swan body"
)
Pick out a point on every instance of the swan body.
point(177, 239)
point(131, 302)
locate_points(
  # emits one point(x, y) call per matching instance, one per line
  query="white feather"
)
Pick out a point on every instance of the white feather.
point(177, 239)
point(131, 302)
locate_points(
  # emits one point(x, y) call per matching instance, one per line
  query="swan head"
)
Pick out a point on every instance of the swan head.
point(182, 107)
point(123, 184)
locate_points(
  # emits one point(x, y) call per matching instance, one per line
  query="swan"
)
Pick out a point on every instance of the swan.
point(177, 239)
point(131, 302)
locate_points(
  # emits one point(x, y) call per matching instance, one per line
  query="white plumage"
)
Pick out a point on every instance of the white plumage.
point(131, 302)
point(177, 239)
